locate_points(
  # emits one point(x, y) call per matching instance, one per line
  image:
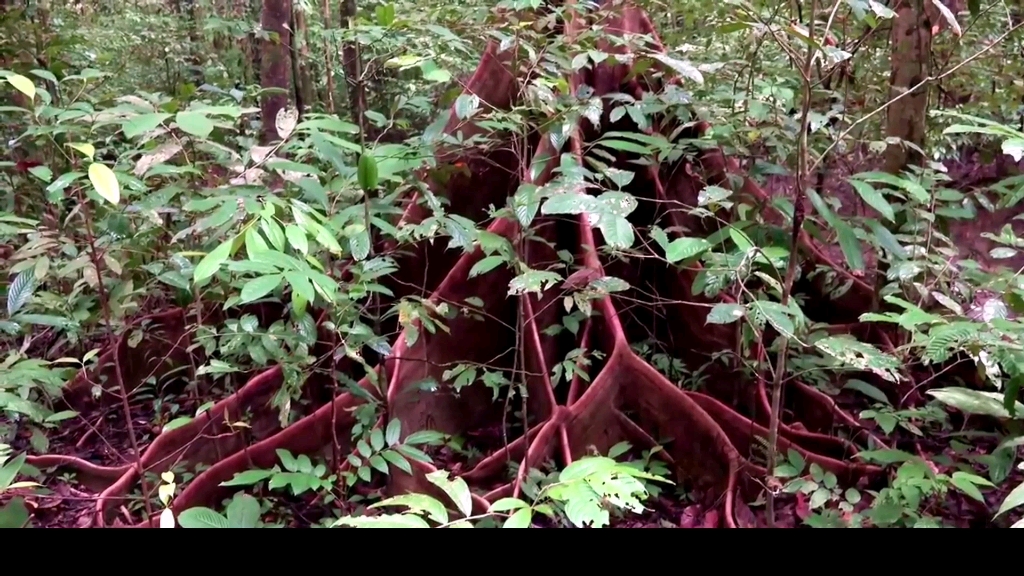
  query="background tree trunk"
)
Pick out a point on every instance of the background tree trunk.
point(328, 59)
point(353, 68)
point(276, 65)
point(301, 63)
point(911, 63)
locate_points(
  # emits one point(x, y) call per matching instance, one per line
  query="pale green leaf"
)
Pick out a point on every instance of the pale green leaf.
point(105, 182)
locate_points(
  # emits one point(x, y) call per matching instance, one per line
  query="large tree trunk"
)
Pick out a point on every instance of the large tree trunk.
point(911, 50)
point(276, 65)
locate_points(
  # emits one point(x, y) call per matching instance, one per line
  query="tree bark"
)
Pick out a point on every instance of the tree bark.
point(911, 64)
point(328, 59)
point(301, 63)
point(276, 65)
point(353, 68)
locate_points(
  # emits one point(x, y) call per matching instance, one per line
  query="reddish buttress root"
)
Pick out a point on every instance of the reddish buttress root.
point(708, 443)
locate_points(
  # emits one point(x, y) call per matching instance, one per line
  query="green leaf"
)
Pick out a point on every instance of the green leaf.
point(724, 313)
point(377, 461)
point(195, 123)
point(259, 287)
point(105, 182)
point(886, 240)
point(201, 517)
point(975, 401)
point(424, 437)
point(23, 85)
point(850, 245)
point(297, 238)
point(967, 483)
point(485, 265)
point(418, 503)
point(384, 521)
point(397, 460)
point(248, 478)
point(359, 242)
point(329, 124)
point(913, 188)
point(20, 291)
point(867, 390)
point(683, 248)
point(243, 512)
point(393, 432)
point(519, 519)
point(506, 504)
point(1014, 499)
point(14, 514)
point(886, 456)
point(874, 199)
point(210, 263)
point(142, 124)
point(455, 488)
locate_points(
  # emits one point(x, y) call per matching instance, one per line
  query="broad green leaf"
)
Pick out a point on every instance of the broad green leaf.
point(201, 517)
point(301, 284)
point(259, 287)
point(506, 504)
point(210, 263)
point(683, 248)
point(196, 124)
point(393, 432)
point(297, 238)
point(455, 488)
point(874, 199)
point(866, 389)
point(105, 182)
point(248, 478)
point(519, 519)
point(485, 265)
point(418, 503)
point(243, 512)
point(142, 124)
point(966, 483)
point(887, 456)
point(975, 401)
point(724, 313)
point(850, 246)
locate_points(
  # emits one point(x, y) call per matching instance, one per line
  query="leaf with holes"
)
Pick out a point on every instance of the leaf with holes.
point(285, 122)
point(455, 488)
point(725, 313)
point(20, 291)
point(683, 68)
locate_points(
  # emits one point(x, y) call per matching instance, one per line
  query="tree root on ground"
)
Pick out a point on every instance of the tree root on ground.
point(710, 446)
